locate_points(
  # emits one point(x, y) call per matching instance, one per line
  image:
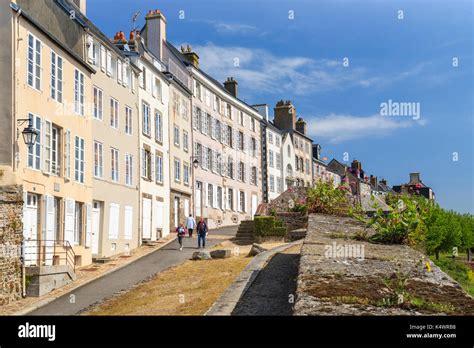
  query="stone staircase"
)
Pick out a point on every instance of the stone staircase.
point(245, 234)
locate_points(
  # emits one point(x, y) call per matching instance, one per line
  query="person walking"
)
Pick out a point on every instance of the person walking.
point(202, 232)
point(190, 224)
point(181, 233)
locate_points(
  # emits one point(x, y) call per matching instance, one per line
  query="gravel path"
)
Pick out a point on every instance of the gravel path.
point(273, 291)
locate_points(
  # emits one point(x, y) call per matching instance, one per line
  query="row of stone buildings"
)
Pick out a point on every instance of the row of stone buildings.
point(113, 142)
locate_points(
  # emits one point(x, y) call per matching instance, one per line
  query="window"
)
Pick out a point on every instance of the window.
point(301, 164)
point(198, 152)
point(128, 169)
point(230, 168)
point(241, 118)
point(128, 121)
point(146, 164)
point(158, 127)
point(217, 134)
point(279, 185)
point(157, 89)
point(272, 183)
point(78, 224)
point(219, 198)
point(307, 166)
point(242, 201)
point(196, 116)
point(146, 119)
point(241, 171)
point(186, 170)
point(297, 163)
point(253, 143)
point(98, 103)
point(230, 199)
point(197, 90)
point(208, 125)
point(277, 140)
point(289, 151)
point(79, 148)
point(159, 169)
point(176, 135)
point(95, 54)
point(34, 152)
point(98, 160)
point(47, 146)
point(34, 62)
point(209, 158)
point(78, 92)
point(270, 159)
point(210, 195)
point(241, 141)
point(253, 177)
point(114, 113)
point(114, 164)
point(278, 160)
point(177, 170)
point(185, 141)
point(56, 77)
point(228, 110)
point(270, 137)
point(230, 140)
point(55, 155)
point(252, 123)
point(218, 163)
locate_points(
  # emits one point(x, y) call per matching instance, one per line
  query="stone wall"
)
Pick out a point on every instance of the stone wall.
point(341, 273)
point(293, 220)
point(11, 237)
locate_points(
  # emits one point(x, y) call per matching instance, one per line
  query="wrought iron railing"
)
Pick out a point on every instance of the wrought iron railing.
point(48, 253)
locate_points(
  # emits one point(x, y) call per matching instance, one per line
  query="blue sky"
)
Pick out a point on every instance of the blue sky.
point(301, 59)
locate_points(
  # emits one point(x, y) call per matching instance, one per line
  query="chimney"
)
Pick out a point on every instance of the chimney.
point(231, 86)
point(191, 56)
point(120, 40)
point(301, 126)
point(374, 182)
point(131, 41)
point(383, 182)
point(262, 109)
point(356, 165)
point(414, 178)
point(284, 115)
point(155, 33)
point(317, 151)
point(80, 4)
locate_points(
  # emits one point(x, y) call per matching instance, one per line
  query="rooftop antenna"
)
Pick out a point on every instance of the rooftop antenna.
point(134, 19)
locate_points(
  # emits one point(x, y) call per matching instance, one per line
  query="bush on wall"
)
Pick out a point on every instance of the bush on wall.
point(266, 226)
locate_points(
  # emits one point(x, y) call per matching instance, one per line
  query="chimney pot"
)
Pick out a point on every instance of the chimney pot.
point(231, 86)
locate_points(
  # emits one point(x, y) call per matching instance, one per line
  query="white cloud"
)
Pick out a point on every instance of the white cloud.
point(340, 128)
point(260, 69)
point(234, 28)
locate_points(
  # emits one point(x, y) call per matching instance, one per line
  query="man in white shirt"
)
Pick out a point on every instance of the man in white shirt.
point(190, 225)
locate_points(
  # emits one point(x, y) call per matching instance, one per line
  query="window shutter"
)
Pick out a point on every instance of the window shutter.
point(238, 200)
point(88, 224)
point(142, 161)
point(49, 228)
point(152, 167)
point(245, 202)
point(234, 138)
point(214, 194)
point(128, 222)
point(90, 48)
point(69, 226)
point(206, 201)
point(114, 216)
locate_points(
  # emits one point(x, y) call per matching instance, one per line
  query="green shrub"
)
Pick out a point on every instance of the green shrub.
point(265, 226)
point(324, 198)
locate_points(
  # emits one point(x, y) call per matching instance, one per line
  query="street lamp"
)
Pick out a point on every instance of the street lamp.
point(195, 161)
point(29, 133)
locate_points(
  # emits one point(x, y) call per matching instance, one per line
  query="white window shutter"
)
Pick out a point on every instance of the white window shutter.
point(245, 202)
point(128, 222)
point(90, 48)
point(152, 165)
point(238, 200)
point(214, 194)
point(206, 201)
point(88, 224)
point(69, 226)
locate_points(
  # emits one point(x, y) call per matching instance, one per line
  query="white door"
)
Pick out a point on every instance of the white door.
point(146, 219)
point(49, 234)
point(197, 202)
point(95, 228)
point(30, 228)
point(254, 204)
point(176, 212)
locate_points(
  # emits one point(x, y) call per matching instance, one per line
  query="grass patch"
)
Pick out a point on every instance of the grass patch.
point(188, 289)
point(458, 270)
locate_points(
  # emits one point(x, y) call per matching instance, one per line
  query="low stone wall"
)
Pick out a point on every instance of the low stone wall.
point(11, 237)
point(339, 274)
point(293, 220)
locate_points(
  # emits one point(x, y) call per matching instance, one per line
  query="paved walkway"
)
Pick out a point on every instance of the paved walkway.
point(122, 279)
point(273, 290)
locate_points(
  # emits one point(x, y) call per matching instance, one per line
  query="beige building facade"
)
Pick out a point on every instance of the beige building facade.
point(51, 88)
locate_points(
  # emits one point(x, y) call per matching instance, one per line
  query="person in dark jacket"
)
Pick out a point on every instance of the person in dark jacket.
point(202, 232)
point(181, 233)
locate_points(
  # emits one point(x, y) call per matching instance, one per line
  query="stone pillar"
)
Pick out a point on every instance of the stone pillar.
point(11, 238)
